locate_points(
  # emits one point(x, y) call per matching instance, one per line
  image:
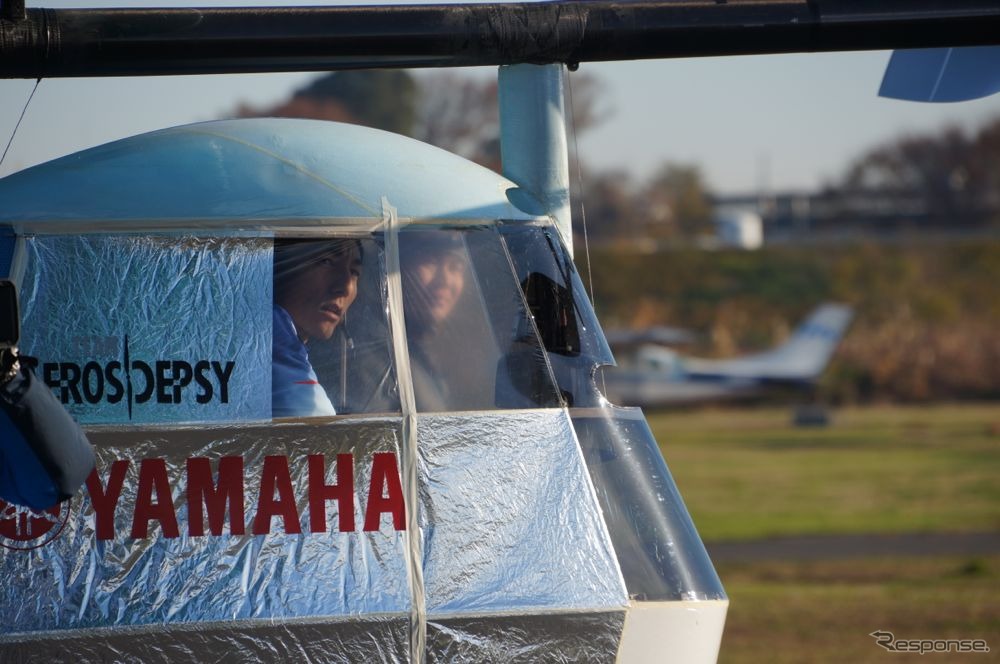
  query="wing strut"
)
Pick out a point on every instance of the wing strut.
point(132, 42)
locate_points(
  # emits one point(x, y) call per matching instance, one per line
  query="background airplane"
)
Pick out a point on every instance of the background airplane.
point(650, 374)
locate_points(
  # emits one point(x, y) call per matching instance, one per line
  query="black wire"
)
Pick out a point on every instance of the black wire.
point(17, 126)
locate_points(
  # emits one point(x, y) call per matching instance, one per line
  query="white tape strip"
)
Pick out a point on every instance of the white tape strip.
point(407, 401)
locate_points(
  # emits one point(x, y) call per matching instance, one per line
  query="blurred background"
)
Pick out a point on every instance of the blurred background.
point(728, 198)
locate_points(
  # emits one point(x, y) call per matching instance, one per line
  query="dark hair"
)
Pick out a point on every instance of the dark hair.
point(414, 244)
point(294, 255)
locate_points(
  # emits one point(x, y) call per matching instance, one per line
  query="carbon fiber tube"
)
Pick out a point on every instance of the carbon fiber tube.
point(126, 42)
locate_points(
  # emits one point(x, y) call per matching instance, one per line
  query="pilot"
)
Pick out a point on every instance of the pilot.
point(433, 267)
point(315, 283)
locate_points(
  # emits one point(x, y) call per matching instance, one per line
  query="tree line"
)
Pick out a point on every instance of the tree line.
point(945, 175)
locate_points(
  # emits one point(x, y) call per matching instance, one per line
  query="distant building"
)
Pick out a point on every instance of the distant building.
point(839, 214)
point(740, 229)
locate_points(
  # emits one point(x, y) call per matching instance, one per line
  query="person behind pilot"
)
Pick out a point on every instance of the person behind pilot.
point(315, 283)
point(433, 271)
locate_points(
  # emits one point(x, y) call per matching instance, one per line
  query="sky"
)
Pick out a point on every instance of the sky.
point(781, 122)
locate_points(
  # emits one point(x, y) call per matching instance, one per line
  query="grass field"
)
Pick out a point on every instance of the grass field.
point(747, 474)
point(787, 612)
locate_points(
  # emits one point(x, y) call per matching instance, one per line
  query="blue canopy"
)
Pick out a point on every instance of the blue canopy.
point(269, 170)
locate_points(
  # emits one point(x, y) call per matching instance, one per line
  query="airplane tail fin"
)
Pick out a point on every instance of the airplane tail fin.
point(800, 359)
point(806, 353)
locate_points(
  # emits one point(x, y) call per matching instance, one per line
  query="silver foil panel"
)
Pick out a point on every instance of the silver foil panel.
point(551, 638)
point(189, 525)
point(376, 639)
point(509, 517)
point(171, 329)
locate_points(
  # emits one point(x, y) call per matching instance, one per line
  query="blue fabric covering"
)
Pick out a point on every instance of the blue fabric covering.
point(295, 389)
point(149, 302)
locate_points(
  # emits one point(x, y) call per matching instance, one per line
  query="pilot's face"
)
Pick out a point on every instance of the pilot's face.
point(440, 279)
point(318, 296)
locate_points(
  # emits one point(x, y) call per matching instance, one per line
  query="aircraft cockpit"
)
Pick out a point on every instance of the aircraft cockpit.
point(330, 409)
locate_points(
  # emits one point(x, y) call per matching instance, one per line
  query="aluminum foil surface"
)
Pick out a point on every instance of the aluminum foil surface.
point(556, 638)
point(188, 528)
point(510, 520)
point(151, 329)
point(338, 641)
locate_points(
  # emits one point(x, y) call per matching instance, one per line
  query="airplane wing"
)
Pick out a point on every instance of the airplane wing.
point(659, 335)
point(801, 359)
point(638, 388)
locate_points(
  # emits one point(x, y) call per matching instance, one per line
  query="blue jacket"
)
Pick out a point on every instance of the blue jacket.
point(295, 389)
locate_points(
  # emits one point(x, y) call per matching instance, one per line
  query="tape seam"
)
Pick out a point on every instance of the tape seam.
point(407, 402)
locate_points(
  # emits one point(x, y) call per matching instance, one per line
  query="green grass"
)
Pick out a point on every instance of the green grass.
point(747, 474)
point(787, 612)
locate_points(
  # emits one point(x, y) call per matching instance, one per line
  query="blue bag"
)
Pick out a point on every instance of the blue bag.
point(44, 454)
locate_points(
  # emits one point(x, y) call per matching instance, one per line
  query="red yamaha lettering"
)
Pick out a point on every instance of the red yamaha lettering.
point(153, 479)
point(342, 492)
point(217, 492)
point(203, 492)
point(385, 494)
point(276, 478)
point(105, 500)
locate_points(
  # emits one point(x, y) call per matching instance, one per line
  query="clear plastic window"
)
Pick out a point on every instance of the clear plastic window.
point(661, 555)
point(183, 329)
point(472, 343)
point(561, 310)
point(332, 353)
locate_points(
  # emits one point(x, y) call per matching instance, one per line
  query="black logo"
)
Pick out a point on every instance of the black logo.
point(136, 381)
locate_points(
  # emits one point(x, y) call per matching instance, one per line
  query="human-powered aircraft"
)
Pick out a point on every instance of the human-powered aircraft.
point(464, 491)
point(651, 374)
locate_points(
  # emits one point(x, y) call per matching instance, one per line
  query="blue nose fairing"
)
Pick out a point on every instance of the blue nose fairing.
point(473, 494)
